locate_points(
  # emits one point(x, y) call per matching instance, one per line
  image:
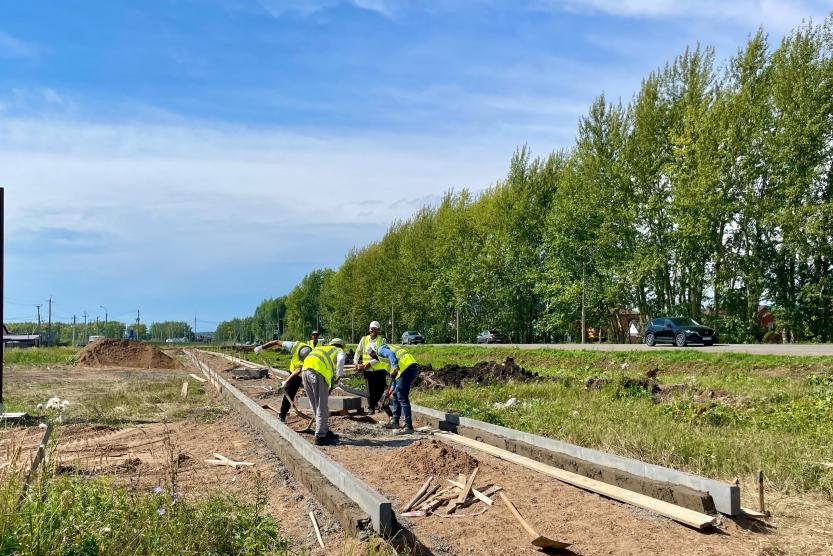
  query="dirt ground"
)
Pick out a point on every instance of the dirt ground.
point(593, 524)
point(146, 456)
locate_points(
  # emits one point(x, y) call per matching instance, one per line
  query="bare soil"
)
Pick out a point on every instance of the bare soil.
point(133, 354)
point(481, 373)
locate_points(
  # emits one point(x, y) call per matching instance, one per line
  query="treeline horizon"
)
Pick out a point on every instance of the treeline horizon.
point(62, 331)
point(708, 194)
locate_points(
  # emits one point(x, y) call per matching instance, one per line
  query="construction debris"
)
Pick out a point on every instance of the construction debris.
point(317, 530)
point(247, 373)
point(223, 460)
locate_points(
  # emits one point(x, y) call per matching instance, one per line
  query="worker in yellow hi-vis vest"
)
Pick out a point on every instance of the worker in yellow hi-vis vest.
point(323, 368)
point(403, 370)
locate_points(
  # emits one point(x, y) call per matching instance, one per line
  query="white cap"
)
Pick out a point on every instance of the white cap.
point(374, 324)
point(337, 342)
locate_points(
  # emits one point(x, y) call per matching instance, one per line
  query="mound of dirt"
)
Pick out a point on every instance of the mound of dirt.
point(430, 457)
point(133, 354)
point(481, 373)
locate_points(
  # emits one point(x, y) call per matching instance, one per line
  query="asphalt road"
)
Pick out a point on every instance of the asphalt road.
point(755, 349)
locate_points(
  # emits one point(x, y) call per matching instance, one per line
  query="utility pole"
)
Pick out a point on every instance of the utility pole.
point(392, 326)
point(73, 330)
point(38, 305)
point(49, 326)
point(458, 325)
point(137, 324)
point(105, 319)
point(195, 327)
point(86, 332)
point(97, 326)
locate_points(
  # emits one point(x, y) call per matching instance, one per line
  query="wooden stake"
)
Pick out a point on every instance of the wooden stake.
point(184, 393)
point(317, 530)
point(761, 491)
point(467, 488)
point(479, 494)
point(423, 489)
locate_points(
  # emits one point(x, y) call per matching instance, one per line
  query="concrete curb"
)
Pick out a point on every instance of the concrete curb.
point(725, 497)
point(377, 507)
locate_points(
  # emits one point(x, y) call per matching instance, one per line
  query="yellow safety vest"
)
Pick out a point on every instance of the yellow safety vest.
point(363, 348)
point(295, 363)
point(404, 358)
point(323, 361)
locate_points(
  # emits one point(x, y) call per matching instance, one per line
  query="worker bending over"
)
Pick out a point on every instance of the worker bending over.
point(323, 367)
point(404, 369)
point(299, 352)
point(375, 370)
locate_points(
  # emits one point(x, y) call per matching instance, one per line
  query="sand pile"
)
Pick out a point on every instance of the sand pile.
point(481, 373)
point(133, 354)
point(430, 457)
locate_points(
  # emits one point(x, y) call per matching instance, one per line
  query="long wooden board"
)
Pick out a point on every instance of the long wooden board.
point(682, 515)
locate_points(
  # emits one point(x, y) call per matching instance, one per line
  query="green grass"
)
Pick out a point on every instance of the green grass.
point(39, 356)
point(116, 402)
point(728, 416)
point(75, 516)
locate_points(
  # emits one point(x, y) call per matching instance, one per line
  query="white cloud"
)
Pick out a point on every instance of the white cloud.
point(11, 47)
point(777, 15)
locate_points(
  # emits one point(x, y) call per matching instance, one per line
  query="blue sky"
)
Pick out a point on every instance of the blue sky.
point(186, 157)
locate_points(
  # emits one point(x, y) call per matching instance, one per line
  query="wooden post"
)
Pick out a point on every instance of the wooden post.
point(762, 508)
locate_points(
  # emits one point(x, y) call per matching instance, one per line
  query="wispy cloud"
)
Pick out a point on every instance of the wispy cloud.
point(780, 15)
point(11, 47)
point(278, 8)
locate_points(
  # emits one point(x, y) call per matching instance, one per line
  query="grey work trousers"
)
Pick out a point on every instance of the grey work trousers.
point(318, 392)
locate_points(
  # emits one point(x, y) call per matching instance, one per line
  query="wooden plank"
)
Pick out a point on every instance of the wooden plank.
point(317, 530)
point(479, 494)
point(682, 515)
point(184, 392)
point(428, 494)
point(197, 378)
point(422, 490)
point(748, 512)
point(467, 489)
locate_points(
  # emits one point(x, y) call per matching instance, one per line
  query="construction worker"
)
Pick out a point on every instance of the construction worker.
point(290, 386)
point(403, 370)
point(323, 368)
point(314, 339)
point(375, 370)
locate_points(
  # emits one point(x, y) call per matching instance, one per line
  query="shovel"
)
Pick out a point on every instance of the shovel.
point(290, 400)
point(537, 540)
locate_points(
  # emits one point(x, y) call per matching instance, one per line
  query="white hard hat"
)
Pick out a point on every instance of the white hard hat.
point(375, 324)
point(337, 342)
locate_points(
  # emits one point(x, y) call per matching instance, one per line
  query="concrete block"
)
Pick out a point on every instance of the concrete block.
point(725, 496)
point(335, 403)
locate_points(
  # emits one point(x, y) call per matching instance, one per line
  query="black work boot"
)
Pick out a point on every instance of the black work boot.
point(392, 425)
point(407, 429)
point(282, 418)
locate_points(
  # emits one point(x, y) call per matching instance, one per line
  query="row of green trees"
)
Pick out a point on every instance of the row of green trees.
point(710, 193)
point(62, 332)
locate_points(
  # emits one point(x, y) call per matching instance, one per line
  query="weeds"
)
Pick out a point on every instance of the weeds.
point(40, 356)
point(77, 515)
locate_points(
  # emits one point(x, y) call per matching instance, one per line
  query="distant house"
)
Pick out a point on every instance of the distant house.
point(765, 317)
point(20, 340)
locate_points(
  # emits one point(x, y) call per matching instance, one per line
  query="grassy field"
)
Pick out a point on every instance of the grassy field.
point(721, 415)
point(39, 356)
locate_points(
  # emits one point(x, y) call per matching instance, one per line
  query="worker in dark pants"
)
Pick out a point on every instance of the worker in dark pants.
point(290, 386)
point(375, 371)
point(404, 370)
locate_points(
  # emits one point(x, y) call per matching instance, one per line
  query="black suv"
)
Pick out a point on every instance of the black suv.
point(679, 331)
point(412, 337)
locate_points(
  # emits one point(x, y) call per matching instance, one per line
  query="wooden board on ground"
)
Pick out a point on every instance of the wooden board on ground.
point(317, 530)
point(197, 378)
point(422, 490)
point(682, 515)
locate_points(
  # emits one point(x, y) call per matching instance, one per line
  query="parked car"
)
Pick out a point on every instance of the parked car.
point(679, 331)
point(412, 337)
point(490, 337)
